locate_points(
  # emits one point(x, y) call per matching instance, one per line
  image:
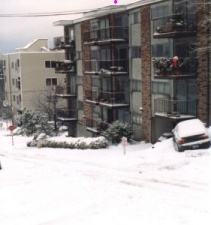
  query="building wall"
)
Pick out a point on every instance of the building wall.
point(32, 74)
point(35, 46)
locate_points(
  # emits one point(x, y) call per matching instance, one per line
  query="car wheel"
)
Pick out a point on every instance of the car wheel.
point(177, 148)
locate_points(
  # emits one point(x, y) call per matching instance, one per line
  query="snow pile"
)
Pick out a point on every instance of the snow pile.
point(150, 184)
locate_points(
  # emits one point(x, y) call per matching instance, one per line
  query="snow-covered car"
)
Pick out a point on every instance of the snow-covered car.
point(190, 134)
point(165, 136)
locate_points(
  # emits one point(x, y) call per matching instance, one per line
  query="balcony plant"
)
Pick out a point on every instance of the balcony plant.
point(174, 66)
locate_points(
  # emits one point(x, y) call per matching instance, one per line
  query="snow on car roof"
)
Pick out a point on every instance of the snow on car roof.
point(190, 128)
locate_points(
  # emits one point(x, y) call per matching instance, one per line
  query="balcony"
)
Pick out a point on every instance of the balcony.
point(175, 109)
point(169, 68)
point(106, 67)
point(66, 92)
point(65, 66)
point(95, 125)
point(112, 34)
point(108, 98)
point(176, 25)
point(66, 115)
point(64, 42)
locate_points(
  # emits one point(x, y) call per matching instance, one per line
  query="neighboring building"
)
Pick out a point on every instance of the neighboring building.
point(148, 55)
point(29, 75)
point(1, 85)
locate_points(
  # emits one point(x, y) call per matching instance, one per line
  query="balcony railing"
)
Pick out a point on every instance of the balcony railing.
point(64, 42)
point(175, 108)
point(175, 66)
point(103, 67)
point(113, 33)
point(107, 98)
point(65, 114)
point(66, 91)
point(66, 66)
point(174, 25)
point(96, 125)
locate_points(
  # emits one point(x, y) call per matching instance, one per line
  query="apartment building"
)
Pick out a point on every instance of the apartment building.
point(144, 63)
point(29, 75)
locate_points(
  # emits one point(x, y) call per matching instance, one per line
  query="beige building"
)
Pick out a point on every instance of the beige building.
point(30, 75)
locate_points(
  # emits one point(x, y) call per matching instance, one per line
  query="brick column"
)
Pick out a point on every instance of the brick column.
point(202, 53)
point(146, 73)
point(87, 79)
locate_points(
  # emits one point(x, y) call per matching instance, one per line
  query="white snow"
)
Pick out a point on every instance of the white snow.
point(149, 185)
point(190, 128)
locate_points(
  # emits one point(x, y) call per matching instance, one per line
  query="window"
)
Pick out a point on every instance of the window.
point(47, 64)
point(51, 81)
point(135, 85)
point(161, 50)
point(94, 54)
point(159, 11)
point(135, 52)
point(13, 98)
point(53, 64)
point(96, 82)
point(160, 88)
point(135, 17)
point(48, 81)
point(12, 65)
point(54, 81)
point(13, 81)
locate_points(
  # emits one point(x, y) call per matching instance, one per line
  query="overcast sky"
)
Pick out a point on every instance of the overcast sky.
point(17, 32)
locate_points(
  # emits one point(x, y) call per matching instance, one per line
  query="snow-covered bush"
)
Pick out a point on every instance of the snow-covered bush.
point(117, 130)
point(35, 123)
point(79, 144)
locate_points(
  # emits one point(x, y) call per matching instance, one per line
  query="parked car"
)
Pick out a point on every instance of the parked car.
point(190, 134)
point(165, 136)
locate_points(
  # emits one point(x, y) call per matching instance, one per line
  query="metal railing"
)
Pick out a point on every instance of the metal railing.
point(64, 42)
point(175, 23)
point(175, 107)
point(66, 113)
point(65, 66)
point(66, 90)
point(106, 66)
point(96, 123)
point(108, 97)
point(113, 32)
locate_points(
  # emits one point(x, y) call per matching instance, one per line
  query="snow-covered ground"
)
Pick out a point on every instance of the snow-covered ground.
point(149, 185)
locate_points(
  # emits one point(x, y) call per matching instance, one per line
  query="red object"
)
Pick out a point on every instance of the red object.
point(11, 128)
point(175, 62)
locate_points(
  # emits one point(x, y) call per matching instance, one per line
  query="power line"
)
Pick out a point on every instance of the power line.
point(73, 12)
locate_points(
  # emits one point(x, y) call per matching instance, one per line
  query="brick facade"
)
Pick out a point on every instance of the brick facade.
point(202, 79)
point(87, 80)
point(146, 73)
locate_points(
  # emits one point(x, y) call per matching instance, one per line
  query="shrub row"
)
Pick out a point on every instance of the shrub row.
point(96, 144)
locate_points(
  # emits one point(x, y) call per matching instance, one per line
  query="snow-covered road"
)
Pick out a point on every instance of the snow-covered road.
point(148, 186)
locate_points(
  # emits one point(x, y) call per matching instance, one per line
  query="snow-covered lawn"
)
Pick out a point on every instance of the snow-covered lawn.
point(150, 185)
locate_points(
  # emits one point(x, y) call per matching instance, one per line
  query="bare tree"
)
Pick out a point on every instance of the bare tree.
point(47, 101)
